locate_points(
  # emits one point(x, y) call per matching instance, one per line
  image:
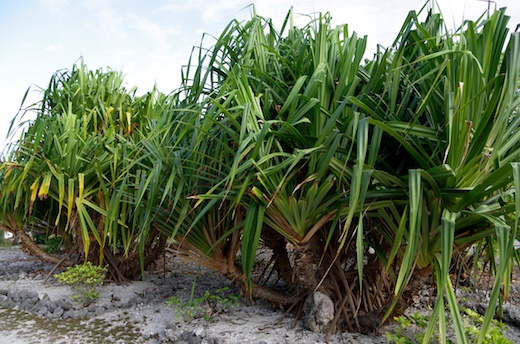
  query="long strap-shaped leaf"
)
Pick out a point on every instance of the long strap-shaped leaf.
point(505, 239)
point(415, 193)
point(251, 237)
point(443, 264)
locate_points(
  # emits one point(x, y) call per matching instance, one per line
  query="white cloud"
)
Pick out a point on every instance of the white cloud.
point(209, 12)
point(55, 6)
point(154, 32)
point(53, 47)
point(108, 21)
point(126, 54)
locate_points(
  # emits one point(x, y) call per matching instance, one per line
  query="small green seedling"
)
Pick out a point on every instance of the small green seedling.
point(415, 323)
point(410, 330)
point(205, 306)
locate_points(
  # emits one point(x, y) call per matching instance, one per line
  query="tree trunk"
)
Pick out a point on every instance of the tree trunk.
point(309, 264)
point(282, 264)
point(266, 294)
point(29, 246)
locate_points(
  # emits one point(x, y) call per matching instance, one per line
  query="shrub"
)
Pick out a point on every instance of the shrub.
point(83, 278)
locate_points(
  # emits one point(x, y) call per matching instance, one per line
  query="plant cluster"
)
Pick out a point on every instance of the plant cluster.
point(410, 329)
point(77, 168)
point(52, 243)
point(359, 175)
point(205, 306)
point(84, 280)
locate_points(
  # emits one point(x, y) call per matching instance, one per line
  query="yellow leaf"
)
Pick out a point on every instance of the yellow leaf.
point(44, 188)
point(81, 180)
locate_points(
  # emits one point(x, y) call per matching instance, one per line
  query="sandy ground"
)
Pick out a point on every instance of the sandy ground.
point(151, 319)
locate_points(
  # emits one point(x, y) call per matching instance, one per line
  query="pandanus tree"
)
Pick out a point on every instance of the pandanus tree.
point(360, 178)
point(450, 126)
point(77, 171)
point(279, 154)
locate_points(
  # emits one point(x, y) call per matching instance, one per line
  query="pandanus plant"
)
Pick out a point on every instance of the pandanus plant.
point(77, 171)
point(446, 117)
point(360, 178)
point(279, 151)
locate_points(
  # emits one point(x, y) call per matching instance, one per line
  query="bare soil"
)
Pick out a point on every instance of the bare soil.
point(139, 312)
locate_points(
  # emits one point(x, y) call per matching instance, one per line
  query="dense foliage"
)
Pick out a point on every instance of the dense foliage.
point(359, 176)
point(77, 171)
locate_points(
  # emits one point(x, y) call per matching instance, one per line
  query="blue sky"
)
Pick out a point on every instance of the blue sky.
point(151, 40)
